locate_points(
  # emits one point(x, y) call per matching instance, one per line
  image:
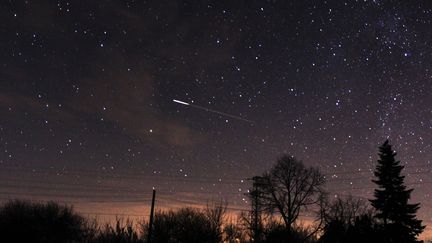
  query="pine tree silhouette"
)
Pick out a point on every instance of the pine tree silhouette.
point(398, 218)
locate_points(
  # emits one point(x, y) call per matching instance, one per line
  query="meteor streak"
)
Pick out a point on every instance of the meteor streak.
point(213, 111)
point(180, 102)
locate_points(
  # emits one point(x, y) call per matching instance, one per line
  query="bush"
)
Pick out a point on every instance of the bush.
point(23, 221)
point(121, 233)
point(184, 225)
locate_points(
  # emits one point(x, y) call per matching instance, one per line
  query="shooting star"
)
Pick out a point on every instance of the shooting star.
point(213, 111)
point(180, 102)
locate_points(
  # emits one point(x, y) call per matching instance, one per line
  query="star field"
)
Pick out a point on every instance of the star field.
point(86, 94)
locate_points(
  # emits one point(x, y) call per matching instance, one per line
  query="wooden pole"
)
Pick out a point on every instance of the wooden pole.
point(149, 233)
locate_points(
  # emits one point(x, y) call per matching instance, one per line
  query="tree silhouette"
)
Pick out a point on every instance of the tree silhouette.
point(234, 233)
point(22, 221)
point(122, 232)
point(276, 232)
point(391, 200)
point(215, 215)
point(187, 225)
point(290, 187)
point(347, 220)
point(345, 210)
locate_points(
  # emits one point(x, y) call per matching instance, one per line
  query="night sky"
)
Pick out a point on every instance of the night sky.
point(87, 89)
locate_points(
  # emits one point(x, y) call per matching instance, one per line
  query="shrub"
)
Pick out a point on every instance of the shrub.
point(23, 221)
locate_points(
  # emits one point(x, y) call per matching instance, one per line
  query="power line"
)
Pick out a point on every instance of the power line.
point(121, 174)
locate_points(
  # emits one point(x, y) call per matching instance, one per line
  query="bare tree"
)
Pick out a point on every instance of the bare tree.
point(215, 214)
point(345, 210)
point(26, 221)
point(289, 188)
point(235, 232)
point(185, 225)
point(348, 220)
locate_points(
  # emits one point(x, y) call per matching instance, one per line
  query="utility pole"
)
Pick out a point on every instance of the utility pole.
point(149, 233)
point(256, 210)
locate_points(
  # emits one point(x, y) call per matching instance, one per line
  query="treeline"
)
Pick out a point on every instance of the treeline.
point(291, 190)
point(288, 204)
point(24, 221)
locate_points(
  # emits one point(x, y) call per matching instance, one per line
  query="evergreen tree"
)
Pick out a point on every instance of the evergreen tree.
point(398, 218)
